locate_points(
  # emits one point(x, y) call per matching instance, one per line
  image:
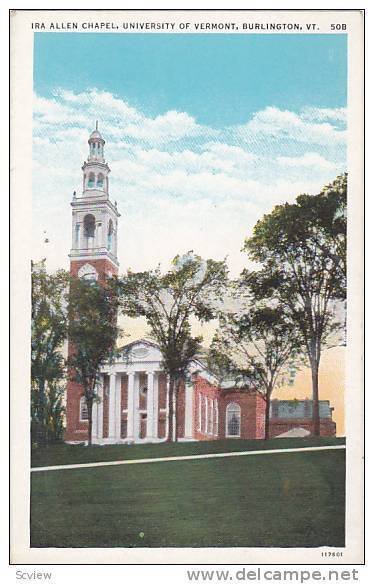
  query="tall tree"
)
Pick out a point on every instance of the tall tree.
point(301, 249)
point(257, 348)
point(48, 333)
point(168, 301)
point(92, 334)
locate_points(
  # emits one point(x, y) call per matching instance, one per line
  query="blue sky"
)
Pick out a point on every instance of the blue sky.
point(219, 79)
point(205, 134)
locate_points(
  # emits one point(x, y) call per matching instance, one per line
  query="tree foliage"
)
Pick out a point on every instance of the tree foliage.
point(92, 334)
point(301, 249)
point(48, 333)
point(168, 301)
point(256, 348)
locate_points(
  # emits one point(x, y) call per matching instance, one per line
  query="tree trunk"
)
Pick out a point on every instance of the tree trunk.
point(89, 411)
point(267, 416)
point(315, 393)
point(169, 437)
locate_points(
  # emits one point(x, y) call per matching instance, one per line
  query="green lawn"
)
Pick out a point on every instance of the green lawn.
point(70, 454)
point(278, 500)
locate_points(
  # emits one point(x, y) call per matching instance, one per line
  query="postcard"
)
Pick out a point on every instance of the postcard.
point(186, 237)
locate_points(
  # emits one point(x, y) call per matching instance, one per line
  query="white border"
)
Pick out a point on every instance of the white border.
point(21, 208)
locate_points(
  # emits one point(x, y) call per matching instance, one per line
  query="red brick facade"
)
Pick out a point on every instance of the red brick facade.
point(210, 398)
point(209, 411)
point(280, 426)
point(76, 429)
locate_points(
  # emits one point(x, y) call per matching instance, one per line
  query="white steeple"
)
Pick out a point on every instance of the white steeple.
point(95, 218)
point(95, 170)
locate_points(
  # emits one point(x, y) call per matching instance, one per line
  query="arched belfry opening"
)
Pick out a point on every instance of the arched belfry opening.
point(100, 180)
point(89, 225)
point(91, 180)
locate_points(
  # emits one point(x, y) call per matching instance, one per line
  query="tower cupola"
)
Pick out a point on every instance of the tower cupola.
point(96, 170)
point(96, 142)
point(94, 216)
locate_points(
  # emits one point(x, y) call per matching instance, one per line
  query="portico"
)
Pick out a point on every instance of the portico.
point(134, 419)
point(132, 400)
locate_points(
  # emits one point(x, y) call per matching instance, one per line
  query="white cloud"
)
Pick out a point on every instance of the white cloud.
point(322, 114)
point(310, 159)
point(119, 120)
point(179, 185)
point(290, 126)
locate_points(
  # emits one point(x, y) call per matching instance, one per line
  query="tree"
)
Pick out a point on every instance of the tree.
point(256, 348)
point(301, 249)
point(92, 334)
point(48, 333)
point(191, 288)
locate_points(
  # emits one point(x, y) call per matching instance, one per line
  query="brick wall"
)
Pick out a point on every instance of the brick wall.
point(76, 430)
point(280, 426)
point(203, 388)
point(102, 266)
point(252, 411)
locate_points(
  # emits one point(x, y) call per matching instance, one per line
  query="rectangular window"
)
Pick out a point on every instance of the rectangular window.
point(211, 415)
point(83, 410)
point(233, 413)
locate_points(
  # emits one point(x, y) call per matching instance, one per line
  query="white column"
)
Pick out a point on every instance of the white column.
point(174, 416)
point(136, 407)
point(118, 408)
point(95, 417)
point(206, 414)
point(112, 406)
point(212, 415)
point(188, 409)
point(130, 406)
point(150, 403)
point(99, 409)
point(99, 241)
point(155, 406)
point(95, 426)
point(167, 409)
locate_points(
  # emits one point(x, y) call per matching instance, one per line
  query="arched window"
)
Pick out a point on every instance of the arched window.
point(89, 226)
point(83, 410)
point(232, 419)
point(110, 234)
point(100, 180)
point(91, 180)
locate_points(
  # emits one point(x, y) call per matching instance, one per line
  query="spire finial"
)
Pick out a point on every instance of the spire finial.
point(97, 124)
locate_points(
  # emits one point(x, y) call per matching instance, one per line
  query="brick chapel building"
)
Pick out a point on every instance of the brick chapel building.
point(133, 393)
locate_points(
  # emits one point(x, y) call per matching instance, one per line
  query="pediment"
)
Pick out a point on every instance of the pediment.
point(140, 351)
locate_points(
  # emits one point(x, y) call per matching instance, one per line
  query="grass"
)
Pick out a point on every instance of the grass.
point(279, 500)
point(56, 454)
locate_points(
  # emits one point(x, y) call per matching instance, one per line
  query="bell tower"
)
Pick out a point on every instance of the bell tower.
point(93, 253)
